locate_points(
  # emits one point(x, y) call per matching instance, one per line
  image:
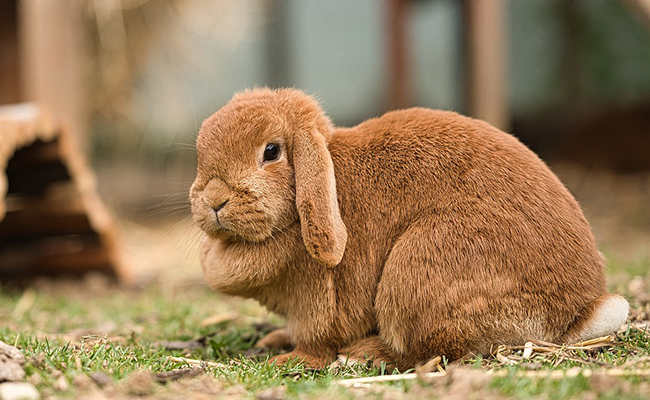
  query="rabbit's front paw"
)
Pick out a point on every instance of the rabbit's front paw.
point(371, 351)
point(298, 357)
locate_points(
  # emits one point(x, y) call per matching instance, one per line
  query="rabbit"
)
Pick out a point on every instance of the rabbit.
point(416, 234)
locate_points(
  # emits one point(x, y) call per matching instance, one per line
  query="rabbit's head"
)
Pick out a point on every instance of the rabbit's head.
point(263, 165)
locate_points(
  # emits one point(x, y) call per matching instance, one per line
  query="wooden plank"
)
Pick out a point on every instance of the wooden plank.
point(486, 60)
point(67, 255)
point(34, 224)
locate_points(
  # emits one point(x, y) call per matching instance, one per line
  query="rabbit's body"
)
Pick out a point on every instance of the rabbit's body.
point(459, 238)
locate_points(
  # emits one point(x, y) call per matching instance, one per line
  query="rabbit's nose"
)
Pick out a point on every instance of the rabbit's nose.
point(219, 207)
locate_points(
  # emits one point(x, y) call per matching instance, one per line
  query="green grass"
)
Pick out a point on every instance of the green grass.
point(74, 332)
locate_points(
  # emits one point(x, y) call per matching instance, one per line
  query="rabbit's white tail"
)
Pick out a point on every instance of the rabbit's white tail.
point(601, 317)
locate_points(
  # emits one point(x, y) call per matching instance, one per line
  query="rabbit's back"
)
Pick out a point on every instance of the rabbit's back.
point(477, 221)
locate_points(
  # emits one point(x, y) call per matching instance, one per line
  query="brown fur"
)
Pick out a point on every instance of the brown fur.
point(456, 237)
point(277, 339)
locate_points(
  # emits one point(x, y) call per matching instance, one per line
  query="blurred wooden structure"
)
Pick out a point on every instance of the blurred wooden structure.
point(51, 218)
point(52, 60)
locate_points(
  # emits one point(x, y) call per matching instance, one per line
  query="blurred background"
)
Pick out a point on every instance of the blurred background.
point(134, 79)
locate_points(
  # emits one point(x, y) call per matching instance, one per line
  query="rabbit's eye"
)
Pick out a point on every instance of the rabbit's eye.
point(271, 152)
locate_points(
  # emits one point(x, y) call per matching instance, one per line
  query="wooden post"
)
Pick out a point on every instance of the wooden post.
point(398, 54)
point(486, 61)
point(9, 71)
point(51, 47)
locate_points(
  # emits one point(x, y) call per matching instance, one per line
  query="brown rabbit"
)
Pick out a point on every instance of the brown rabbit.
point(415, 234)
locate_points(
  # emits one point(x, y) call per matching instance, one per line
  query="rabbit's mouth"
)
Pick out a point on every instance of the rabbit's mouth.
point(225, 234)
point(231, 223)
point(257, 230)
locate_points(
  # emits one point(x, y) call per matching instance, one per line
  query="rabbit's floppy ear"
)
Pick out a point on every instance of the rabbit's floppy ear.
point(323, 230)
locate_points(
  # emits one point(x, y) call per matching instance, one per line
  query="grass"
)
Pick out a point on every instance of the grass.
point(89, 338)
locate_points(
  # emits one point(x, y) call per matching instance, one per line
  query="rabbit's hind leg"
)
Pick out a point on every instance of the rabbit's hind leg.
point(437, 295)
point(277, 339)
point(371, 351)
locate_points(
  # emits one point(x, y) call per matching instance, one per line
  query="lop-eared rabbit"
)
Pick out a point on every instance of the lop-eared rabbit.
point(416, 234)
